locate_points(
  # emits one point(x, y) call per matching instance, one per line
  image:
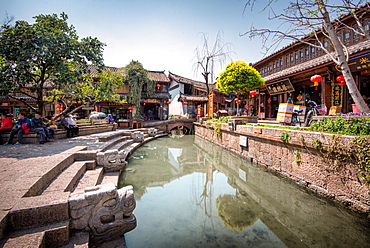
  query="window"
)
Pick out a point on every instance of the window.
point(366, 25)
point(356, 35)
point(347, 36)
point(313, 52)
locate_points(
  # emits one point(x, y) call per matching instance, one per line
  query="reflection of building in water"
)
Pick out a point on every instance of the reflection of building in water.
point(282, 206)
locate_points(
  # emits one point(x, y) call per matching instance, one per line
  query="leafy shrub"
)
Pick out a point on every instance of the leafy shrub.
point(344, 124)
point(223, 119)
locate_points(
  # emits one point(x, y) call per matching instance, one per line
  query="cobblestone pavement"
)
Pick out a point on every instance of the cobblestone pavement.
point(12, 153)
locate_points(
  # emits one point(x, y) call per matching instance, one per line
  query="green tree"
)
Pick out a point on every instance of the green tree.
point(46, 52)
point(239, 78)
point(139, 83)
point(89, 91)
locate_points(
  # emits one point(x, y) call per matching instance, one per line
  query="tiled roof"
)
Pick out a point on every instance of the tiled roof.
point(316, 62)
point(158, 76)
point(94, 69)
point(184, 80)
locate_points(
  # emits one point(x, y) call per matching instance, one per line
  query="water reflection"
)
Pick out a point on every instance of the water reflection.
point(191, 193)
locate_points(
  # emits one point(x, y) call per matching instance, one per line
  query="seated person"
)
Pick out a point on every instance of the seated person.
point(63, 124)
point(22, 126)
point(49, 131)
point(37, 126)
point(72, 125)
point(6, 125)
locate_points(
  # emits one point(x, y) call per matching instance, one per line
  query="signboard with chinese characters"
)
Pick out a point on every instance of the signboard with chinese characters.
point(280, 87)
point(360, 63)
point(337, 95)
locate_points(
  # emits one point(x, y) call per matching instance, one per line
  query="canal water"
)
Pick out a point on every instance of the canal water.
point(192, 193)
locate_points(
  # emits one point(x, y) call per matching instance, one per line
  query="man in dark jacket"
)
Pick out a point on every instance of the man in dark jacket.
point(22, 123)
point(37, 126)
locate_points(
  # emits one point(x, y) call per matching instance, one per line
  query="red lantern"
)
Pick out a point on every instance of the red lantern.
point(130, 108)
point(253, 93)
point(269, 100)
point(340, 79)
point(59, 107)
point(145, 102)
point(316, 79)
point(168, 102)
point(158, 86)
point(186, 103)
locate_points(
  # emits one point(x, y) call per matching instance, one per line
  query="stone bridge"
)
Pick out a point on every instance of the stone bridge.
point(186, 125)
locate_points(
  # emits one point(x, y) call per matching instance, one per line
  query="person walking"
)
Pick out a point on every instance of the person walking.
point(22, 126)
point(6, 125)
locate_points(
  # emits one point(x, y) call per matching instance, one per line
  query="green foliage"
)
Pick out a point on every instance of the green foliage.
point(239, 78)
point(297, 156)
point(137, 77)
point(343, 125)
point(217, 129)
point(284, 136)
point(48, 50)
point(223, 119)
point(361, 153)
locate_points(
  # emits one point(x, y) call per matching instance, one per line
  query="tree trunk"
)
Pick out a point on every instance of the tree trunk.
point(342, 60)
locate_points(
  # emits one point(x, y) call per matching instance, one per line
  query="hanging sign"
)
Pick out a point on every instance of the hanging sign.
point(279, 87)
point(337, 95)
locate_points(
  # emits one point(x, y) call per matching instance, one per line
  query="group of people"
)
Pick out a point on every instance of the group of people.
point(41, 125)
point(37, 124)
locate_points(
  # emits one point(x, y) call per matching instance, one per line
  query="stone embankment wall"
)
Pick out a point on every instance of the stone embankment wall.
point(296, 157)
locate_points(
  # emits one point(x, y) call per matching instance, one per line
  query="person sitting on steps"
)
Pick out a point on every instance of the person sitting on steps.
point(72, 125)
point(6, 125)
point(22, 126)
point(37, 126)
point(49, 131)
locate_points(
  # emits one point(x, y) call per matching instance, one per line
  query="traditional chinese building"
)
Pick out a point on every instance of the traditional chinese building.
point(288, 72)
point(189, 97)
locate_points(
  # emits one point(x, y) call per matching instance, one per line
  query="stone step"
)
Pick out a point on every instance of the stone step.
point(114, 142)
point(125, 144)
point(110, 177)
point(67, 179)
point(38, 211)
point(111, 135)
point(78, 240)
point(89, 179)
point(53, 235)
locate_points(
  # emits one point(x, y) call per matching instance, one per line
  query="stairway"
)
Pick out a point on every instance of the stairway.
point(41, 217)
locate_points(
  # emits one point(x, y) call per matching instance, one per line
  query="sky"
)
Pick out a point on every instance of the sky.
point(160, 34)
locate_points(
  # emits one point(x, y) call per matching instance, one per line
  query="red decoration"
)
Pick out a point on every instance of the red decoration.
point(186, 103)
point(269, 100)
point(253, 93)
point(168, 102)
point(316, 78)
point(340, 79)
point(145, 102)
point(130, 108)
point(59, 107)
point(158, 86)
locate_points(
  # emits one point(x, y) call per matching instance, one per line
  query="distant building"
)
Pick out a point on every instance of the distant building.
point(189, 97)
